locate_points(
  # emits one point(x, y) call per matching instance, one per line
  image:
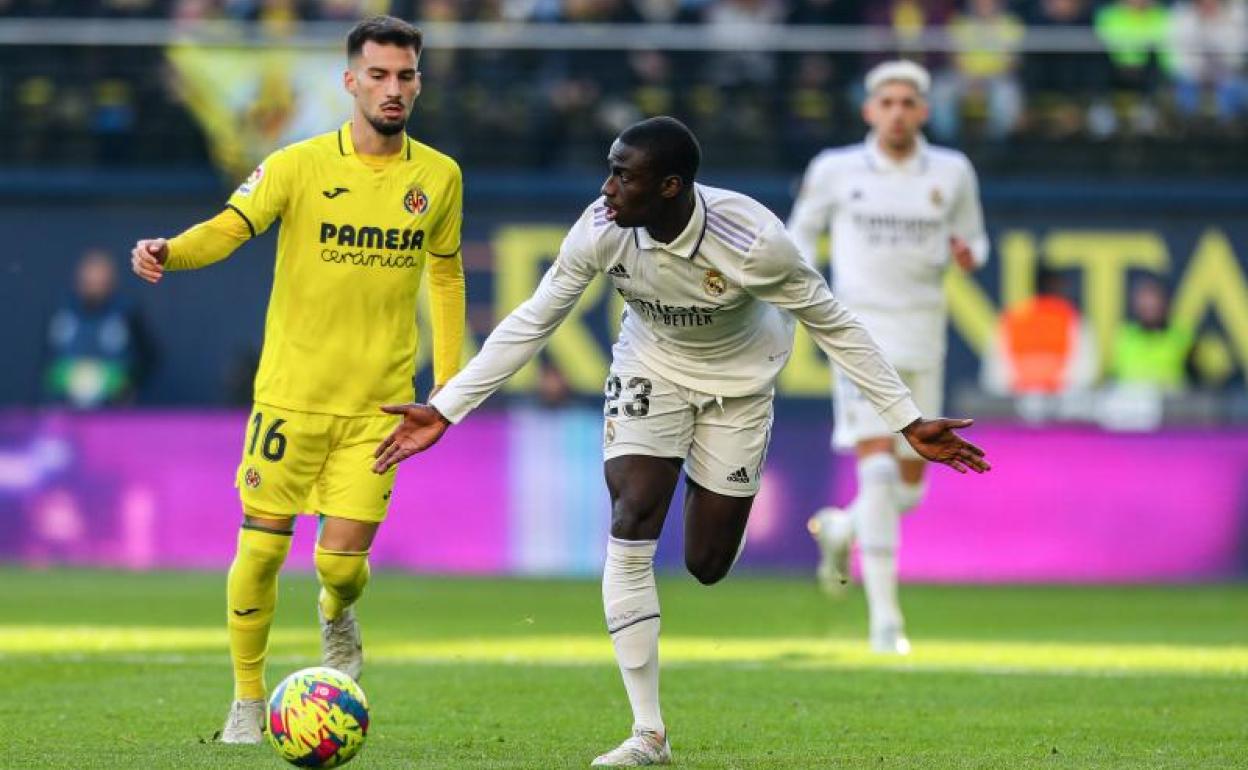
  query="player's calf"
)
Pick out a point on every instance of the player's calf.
point(709, 569)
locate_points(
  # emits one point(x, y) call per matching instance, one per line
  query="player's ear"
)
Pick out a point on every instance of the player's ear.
point(671, 186)
point(348, 81)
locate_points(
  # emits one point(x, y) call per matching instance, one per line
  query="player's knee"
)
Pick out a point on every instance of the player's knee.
point(708, 569)
point(880, 468)
point(342, 570)
point(264, 551)
point(634, 518)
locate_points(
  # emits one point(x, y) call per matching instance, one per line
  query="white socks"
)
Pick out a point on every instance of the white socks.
point(908, 496)
point(876, 521)
point(631, 602)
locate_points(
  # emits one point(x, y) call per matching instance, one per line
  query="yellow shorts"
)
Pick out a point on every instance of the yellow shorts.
point(303, 462)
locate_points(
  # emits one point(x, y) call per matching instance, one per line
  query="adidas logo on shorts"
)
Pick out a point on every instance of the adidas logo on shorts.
point(739, 476)
point(618, 271)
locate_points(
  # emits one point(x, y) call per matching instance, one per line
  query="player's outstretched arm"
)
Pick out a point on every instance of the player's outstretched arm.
point(200, 246)
point(148, 257)
point(420, 429)
point(511, 345)
point(936, 440)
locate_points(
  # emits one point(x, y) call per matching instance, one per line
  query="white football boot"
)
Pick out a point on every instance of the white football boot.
point(245, 723)
point(833, 531)
point(890, 640)
point(644, 748)
point(341, 647)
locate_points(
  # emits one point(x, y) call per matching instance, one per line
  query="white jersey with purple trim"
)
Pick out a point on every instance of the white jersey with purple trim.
point(706, 311)
point(890, 224)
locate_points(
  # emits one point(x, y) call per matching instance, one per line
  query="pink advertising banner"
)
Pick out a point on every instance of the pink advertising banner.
point(521, 492)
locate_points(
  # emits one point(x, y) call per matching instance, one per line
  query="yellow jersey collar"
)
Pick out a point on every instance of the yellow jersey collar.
point(347, 147)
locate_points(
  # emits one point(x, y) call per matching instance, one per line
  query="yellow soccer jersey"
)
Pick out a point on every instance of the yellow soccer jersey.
point(340, 334)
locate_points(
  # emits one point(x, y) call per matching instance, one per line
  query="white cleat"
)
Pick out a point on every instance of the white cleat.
point(644, 748)
point(245, 723)
point(833, 531)
point(890, 640)
point(341, 647)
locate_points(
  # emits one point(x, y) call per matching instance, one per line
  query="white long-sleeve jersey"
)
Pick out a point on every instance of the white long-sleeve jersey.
point(890, 225)
point(705, 311)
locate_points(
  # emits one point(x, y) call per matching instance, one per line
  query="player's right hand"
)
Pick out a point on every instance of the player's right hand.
point(421, 428)
point(147, 259)
point(935, 440)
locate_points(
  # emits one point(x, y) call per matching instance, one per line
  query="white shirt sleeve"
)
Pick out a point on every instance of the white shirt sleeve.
point(812, 211)
point(966, 216)
point(774, 272)
point(525, 330)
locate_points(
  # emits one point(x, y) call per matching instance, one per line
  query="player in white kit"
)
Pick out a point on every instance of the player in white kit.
point(900, 211)
point(704, 273)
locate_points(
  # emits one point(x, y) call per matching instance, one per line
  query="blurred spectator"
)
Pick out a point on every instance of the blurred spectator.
point(1064, 87)
point(982, 81)
point(653, 92)
point(1136, 36)
point(909, 21)
point(740, 20)
point(99, 351)
point(1041, 345)
point(1208, 40)
point(812, 109)
point(1152, 350)
point(825, 12)
point(498, 107)
point(658, 11)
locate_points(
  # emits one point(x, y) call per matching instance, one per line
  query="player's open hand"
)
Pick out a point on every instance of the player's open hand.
point(147, 259)
point(962, 254)
point(936, 441)
point(421, 428)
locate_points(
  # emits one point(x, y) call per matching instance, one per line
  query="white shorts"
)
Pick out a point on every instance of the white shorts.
point(722, 440)
point(856, 419)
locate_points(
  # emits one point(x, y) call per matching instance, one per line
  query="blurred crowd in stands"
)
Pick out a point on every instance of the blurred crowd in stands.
point(1169, 75)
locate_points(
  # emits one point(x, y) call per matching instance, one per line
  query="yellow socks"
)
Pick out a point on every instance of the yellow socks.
point(343, 575)
point(251, 596)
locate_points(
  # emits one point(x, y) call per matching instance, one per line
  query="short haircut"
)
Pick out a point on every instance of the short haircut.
point(383, 29)
point(669, 145)
point(899, 70)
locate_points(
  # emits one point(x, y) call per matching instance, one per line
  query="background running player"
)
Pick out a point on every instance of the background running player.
point(705, 273)
point(899, 211)
point(364, 210)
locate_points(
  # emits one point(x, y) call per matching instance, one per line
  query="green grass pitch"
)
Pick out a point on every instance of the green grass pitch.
point(107, 670)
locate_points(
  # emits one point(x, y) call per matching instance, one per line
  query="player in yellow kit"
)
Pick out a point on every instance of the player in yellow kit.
point(365, 210)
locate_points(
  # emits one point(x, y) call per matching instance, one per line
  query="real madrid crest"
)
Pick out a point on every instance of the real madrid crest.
point(714, 283)
point(416, 202)
point(937, 197)
point(608, 433)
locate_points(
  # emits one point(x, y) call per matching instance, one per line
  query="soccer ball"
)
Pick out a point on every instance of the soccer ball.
point(318, 717)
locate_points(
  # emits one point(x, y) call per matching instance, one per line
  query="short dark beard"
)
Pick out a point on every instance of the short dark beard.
point(385, 127)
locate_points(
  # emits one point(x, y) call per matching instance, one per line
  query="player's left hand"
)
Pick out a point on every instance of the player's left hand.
point(962, 253)
point(421, 428)
point(936, 441)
